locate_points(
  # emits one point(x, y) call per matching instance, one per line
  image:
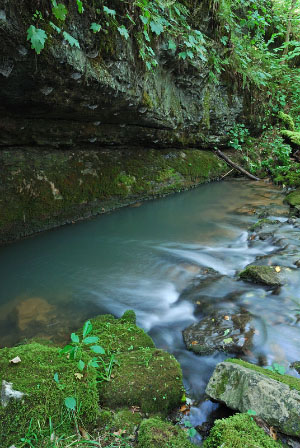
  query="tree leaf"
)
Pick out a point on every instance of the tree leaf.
point(87, 328)
point(145, 32)
point(60, 11)
point(98, 349)
point(95, 27)
point(56, 28)
point(70, 403)
point(144, 19)
point(80, 6)
point(182, 55)
point(71, 40)
point(90, 340)
point(37, 37)
point(81, 365)
point(171, 45)
point(74, 338)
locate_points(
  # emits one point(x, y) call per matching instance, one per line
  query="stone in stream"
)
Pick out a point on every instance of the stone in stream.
point(274, 398)
point(265, 275)
point(296, 365)
point(230, 333)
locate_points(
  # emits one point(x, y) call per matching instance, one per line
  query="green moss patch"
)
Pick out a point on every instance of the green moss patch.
point(155, 433)
point(262, 222)
point(148, 378)
point(292, 382)
point(287, 120)
point(44, 398)
point(293, 198)
point(238, 431)
point(120, 335)
point(265, 275)
point(292, 137)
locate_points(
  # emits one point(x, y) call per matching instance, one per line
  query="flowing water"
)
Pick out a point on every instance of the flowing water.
point(147, 258)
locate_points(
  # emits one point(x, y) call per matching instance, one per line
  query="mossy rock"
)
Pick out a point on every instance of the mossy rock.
point(238, 431)
point(293, 199)
point(296, 366)
point(155, 433)
point(287, 120)
point(44, 398)
point(126, 420)
point(291, 381)
point(148, 378)
point(120, 335)
point(263, 222)
point(265, 275)
point(292, 137)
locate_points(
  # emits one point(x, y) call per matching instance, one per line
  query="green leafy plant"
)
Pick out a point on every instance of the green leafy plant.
point(277, 368)
point(190, 429)
point(37, 38)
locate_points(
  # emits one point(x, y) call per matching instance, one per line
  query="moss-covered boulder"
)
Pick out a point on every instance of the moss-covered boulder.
point(296, 366)
point(238, 431)
point(265, 275)
point(292, 137)
point(43, 397)
point(274, 397)
point(148, 378)
point(120, 335)
point(293, 199)
point(155, 433)
point(287, 120)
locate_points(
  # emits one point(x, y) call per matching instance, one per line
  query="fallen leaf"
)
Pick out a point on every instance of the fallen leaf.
point(15, 360)
point(83, 433)
point(226, 317)
point(198, 302)
point(227, 341)
point(277, 269)
point(134, 409)
point(185, 409)
point(119, 433)
point(79, 376)
point(194, 342)
point(273, 433)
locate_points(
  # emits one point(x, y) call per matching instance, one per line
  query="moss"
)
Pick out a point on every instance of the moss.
point(296, 366)
point(44, 399)
point(287, 120)
point(127, 420)
point(129, 316)
point(293, 198)
point(206, 109)
point(265, 275)
point(120, 335)
point(105, 418)
point(238, 431)
point(148, 378)
point(147, 101)
point(292, 382)
point(292, 137)
point(261, 222)
point(155, 433)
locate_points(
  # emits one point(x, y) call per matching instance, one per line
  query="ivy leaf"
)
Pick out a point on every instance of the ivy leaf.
point(123, 31)
point(56, 28)
point(98, 349)
point(60, 11)
point(37, 38)
point(156, 27)
point(146, 35)
point(172, 45)
point(70, 403)
point(87, 328)
point(110, 12)
point(95, 27)
point(182, 55)
point(90, 340)
point(144, 19)
point(80, 6)
point(190, 54)
point(71, 40)
point(74, 338)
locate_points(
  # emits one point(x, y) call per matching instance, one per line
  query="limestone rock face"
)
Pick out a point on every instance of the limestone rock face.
point(246, 389)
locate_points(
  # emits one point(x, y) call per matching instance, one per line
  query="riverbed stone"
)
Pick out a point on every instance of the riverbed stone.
point(265, 275)
point(275, 398)
point(156, 433)
point(148, 378)
point(231, 333)
point(238, 431)
point(43, 397)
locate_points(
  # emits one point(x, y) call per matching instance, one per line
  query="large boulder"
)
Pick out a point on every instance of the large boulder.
point(275, 398)
point(265, 275)
point(218, 332)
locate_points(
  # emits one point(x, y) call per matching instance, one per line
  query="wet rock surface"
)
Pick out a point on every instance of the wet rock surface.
point(265, 275)
point(218, 332)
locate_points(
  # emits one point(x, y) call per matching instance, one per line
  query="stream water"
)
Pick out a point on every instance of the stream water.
point(147, 258)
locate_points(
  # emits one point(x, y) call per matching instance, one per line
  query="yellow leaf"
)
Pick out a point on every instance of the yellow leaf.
point(79, 376)
point(195, 342)
point(226, 317)
point(277, 269)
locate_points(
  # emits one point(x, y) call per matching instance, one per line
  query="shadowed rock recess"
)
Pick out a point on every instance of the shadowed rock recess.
point(83, 131)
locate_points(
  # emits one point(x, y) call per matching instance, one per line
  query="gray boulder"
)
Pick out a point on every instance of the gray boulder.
point(245, 389)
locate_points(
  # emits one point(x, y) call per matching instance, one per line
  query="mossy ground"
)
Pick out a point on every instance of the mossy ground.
point(44, 399)
point(148, 378)
point(50, 188)
point(155, 433)
point(293, 198)
point(238, 431)
point(291, 381)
